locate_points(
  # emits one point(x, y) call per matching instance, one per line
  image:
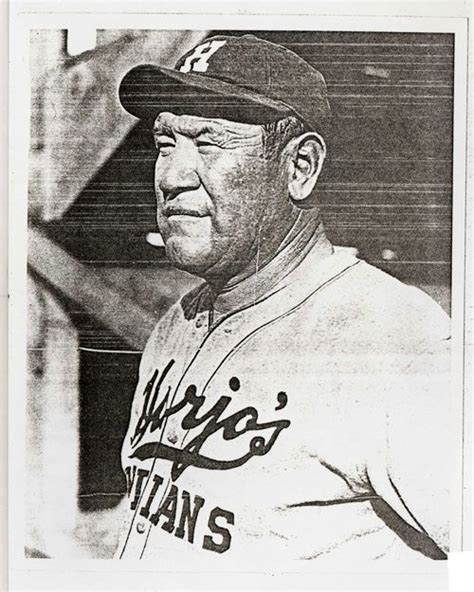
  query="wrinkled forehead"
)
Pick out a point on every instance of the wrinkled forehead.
point(192, 125)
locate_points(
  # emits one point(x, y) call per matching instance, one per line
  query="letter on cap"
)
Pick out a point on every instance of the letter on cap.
point(197, 61)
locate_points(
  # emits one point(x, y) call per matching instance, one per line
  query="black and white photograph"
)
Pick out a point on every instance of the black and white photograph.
point(242, 341)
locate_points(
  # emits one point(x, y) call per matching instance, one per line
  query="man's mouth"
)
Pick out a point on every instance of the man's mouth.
point(170, 211)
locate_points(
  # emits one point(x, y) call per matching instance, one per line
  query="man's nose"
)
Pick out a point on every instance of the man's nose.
point(177, 172)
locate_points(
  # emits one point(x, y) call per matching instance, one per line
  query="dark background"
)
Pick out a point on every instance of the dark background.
point(386, 189)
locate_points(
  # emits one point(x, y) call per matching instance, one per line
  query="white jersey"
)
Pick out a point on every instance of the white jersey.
point(308, 425)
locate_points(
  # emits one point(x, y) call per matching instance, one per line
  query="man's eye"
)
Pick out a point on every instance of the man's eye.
point(206, 144)
point(164, 145)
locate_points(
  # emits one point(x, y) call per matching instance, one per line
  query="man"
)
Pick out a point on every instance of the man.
point(293, 406)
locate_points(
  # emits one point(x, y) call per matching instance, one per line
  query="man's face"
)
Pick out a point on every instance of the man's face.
point(220, 200)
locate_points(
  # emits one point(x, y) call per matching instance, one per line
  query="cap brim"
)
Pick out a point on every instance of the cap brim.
point(148, 90)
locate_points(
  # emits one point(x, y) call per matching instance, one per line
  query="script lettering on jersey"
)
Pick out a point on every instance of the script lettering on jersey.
point(204, 424)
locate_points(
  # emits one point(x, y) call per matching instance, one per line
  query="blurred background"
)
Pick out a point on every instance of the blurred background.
point(98, 278)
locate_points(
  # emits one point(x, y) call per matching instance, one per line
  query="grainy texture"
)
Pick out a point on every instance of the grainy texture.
point(385, 190)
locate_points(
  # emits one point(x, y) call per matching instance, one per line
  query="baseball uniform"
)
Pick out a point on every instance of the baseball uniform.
point(298, 419)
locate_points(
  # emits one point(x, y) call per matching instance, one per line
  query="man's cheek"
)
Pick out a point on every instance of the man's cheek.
point(232, 217)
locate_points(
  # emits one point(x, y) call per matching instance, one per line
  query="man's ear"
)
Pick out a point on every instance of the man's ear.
point(306, 158)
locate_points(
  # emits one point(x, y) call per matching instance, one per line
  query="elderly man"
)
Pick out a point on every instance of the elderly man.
point(294, 405)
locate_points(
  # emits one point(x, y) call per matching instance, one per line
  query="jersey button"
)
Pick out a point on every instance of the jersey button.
point(140, 527)
point(172, 436)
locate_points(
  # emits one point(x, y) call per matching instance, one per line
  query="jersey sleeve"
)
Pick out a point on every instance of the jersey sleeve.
point(415, 476)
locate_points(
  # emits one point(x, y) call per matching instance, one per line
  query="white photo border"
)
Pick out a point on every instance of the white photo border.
point(52, 574)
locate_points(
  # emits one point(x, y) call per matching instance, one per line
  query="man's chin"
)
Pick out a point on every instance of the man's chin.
point(190, 259)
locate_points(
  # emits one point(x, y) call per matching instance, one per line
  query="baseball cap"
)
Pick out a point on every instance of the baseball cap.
point(243, 78)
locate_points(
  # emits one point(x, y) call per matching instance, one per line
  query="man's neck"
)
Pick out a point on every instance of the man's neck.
point(306, 234)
